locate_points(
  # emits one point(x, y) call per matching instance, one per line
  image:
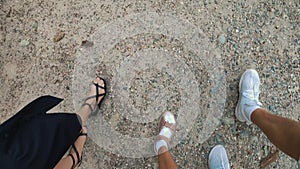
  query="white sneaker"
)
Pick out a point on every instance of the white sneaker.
point(248, 96)
point(218, 159)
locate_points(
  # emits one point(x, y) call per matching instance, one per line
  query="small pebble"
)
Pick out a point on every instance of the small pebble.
point(266, 150)
point(244, 134)
point(59, 36)
point(87, 43)
point(271, 107)
point(35, 25)
point(228, 121)
point(24, 43)
point(222, 39)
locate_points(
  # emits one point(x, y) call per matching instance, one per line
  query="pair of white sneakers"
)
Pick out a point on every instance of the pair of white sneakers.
point(248, 102)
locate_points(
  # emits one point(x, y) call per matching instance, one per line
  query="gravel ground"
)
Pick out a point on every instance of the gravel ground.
point(41, 42)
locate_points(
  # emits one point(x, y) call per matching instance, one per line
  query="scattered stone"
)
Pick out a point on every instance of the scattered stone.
point(271, 107)
point(87, 43)
point(24, 43)
point(254, 139)
point(228, 121)
point(35, 25)
point(59, 36)
point(9, 12)
point(266, 150)
point(244, 134)
point(233, 129)
point(293, 90)
point(219, 139)
point(265, 162)
point(222, 39)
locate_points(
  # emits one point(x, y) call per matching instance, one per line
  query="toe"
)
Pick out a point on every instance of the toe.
point(99, 81)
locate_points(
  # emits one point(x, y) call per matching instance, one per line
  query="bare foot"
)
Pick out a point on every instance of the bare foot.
point(93, 100)
point(166, 132)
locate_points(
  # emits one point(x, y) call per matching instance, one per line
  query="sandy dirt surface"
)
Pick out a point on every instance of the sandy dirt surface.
point(44, 43)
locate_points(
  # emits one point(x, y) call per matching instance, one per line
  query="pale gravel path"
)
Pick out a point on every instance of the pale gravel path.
point(263, 35)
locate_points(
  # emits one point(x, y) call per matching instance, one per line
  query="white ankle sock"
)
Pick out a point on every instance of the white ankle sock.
point(249, 109)
point(160, 143)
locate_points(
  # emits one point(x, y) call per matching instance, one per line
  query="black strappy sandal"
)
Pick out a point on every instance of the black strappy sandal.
point(77, 153)
point(97, 95)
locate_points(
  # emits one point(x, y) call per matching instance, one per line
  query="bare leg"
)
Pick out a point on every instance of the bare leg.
point(84, 113)
point(165, 159)
point(282, 132)
point(67, 162)
point(64, 163)
point(166, 131)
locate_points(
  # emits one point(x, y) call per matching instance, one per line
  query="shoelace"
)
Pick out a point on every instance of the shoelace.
point(256, 98)
point(252, 96)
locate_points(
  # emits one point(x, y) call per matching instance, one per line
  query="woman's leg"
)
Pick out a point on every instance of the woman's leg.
point(84, 113)
point(282, 132)
point(165, 159)
point(64, 163)
point(67, 162)
point(166, 131)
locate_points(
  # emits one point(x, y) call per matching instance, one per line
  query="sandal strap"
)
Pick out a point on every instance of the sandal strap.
point(164, 122)
point(87, 104)
point(73, 159)
point(95, 96)
point(97, 93)
point(92, 97)
point(161, 137)
point(167, 124)
point(102, 87)
point(170, 126)
point(97, 90)
point(97, 85)
point(94, 108)
point(77, 154)
point(82, 134)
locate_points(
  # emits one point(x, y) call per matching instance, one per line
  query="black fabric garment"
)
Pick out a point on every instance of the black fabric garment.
point(33, 139)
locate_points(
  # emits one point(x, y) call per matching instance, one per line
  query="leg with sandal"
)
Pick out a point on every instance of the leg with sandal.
point(92, 104)
point(33, 138)
point(166, 131)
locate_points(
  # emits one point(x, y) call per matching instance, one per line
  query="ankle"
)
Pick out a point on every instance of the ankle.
point(161, 146)
point(162, 149)
point(249, 109)
point(260, 114)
